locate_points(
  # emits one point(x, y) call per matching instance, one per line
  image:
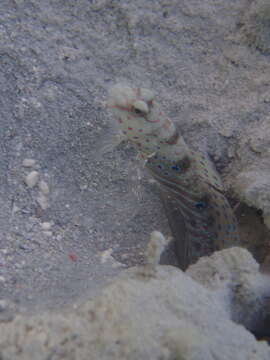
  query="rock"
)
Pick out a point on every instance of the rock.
point(253, 187)
point(234, 271)
point(199, 315)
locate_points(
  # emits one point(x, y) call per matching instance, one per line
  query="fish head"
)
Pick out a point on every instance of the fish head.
point(140, 117)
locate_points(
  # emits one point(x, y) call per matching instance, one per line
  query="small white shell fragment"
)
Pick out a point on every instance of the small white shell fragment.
point(29, 162)
point(43, 187)
point(46, 225)
point(106, 255)
point(31, 179)
point(43, 201)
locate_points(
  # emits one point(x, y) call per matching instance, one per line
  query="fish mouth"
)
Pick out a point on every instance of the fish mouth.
point(153, 121)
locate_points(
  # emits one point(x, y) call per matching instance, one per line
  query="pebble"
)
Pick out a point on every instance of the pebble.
point(31, 179)
point(43, 187)
point(29, 162)
point(43, 202)
point(2, 279)
point(106, 255)
point(46, 225)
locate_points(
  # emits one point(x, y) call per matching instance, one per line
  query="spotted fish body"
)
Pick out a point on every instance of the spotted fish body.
point(207, 215)
point(191, 189)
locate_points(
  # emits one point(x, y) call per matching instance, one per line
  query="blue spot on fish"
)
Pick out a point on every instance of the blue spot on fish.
point(176, 168)
point(201, 205)
point(230, 228)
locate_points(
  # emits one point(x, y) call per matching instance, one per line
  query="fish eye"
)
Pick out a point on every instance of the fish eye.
point(201, 205)
point(140, 108)
point(139, 112)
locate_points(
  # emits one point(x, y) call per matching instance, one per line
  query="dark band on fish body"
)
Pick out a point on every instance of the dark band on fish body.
point(184, 163)
point(174, 138)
